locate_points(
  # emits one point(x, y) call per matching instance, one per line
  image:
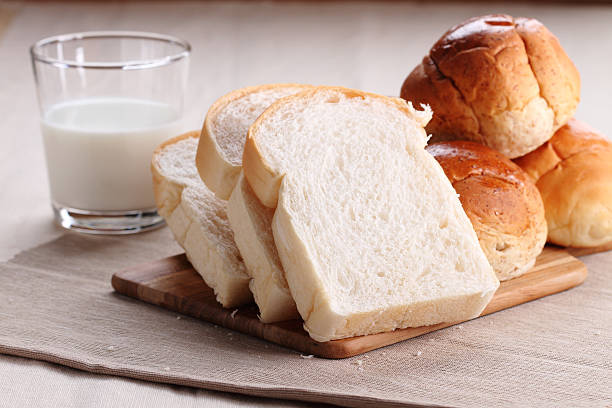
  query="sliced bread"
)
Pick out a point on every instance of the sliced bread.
point(219, 160)
point(219, 157)
point(251, 222)
point(370, 232)
point(198, 220)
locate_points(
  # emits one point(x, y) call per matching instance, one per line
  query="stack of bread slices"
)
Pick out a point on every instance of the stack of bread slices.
point(338, 213)
point(323, 203)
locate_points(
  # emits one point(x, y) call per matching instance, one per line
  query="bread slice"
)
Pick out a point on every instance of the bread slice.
point(219, 160)
point(219, 157)
point(251, 222)
point(198, 220)
point(370, 232)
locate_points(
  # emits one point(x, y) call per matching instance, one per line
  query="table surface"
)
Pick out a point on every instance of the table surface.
point(370, 46)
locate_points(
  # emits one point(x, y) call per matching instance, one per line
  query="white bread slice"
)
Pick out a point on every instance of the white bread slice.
point(370, 232)
point(198, 220)
point(219, 157)
point(219, 160)
point(251, 222)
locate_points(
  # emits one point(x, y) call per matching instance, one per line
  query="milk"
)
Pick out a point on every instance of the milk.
point(99, 151)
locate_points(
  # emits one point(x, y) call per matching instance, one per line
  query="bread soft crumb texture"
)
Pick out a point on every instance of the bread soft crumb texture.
point(198, 220)
point(219, 157)
point(251, 222)
point(369, 230)
point(236, 117)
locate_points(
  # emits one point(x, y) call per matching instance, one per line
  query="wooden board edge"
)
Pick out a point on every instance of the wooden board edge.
point(339, 349)
point(356, 346)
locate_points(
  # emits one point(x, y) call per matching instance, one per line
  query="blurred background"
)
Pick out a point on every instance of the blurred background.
point(366, 45)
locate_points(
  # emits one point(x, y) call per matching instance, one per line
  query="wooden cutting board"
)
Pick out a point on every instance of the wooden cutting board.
point(173, 284)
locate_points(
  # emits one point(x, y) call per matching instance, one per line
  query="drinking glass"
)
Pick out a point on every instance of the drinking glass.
point(107, 99)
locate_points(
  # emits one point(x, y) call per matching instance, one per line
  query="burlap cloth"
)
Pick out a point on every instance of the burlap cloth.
point(57, 305)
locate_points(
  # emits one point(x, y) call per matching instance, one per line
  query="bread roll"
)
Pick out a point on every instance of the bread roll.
point(501, 201)
point(496, 80)
point(573, 172)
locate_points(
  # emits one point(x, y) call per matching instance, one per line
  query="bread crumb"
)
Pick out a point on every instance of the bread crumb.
point(167, 368)
point(460, 327)
point(178, 317)
point(597, 332)
point(307, 357)
point(366, 356)
point(111, 348)
point(230, 333)
point(234, 313)
point(359, 362)
point(360, 368)
point(418, 353)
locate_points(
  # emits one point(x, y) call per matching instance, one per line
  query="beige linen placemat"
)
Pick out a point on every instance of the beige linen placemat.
point(56, 304)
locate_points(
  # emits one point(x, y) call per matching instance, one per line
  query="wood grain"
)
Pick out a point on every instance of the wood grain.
point(173, 284)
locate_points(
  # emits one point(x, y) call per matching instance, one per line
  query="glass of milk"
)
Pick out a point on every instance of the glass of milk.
point(107, 100)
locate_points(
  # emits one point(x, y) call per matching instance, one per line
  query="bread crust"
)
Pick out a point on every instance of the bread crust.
point(165, 198)
point(496, 80)
point(221, 269)
point(219, 175)
point(252, 227)
point(501, 201)
point(263, 178)
point(573, 172)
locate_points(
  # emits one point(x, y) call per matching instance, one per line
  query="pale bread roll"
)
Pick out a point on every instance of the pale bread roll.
point(573, 172)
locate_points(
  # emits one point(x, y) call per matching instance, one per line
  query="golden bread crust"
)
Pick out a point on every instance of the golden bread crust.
point(573, 172)
point(500, 81)
point(501, 201)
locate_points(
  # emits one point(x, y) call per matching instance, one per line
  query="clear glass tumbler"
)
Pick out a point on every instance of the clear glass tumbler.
point(107, 99)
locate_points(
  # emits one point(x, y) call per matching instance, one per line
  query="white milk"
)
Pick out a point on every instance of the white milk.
point(99, 151)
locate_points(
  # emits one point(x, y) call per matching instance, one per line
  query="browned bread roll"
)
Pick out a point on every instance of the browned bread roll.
point(573, 172)
point(501, 201)
point(496, 80)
